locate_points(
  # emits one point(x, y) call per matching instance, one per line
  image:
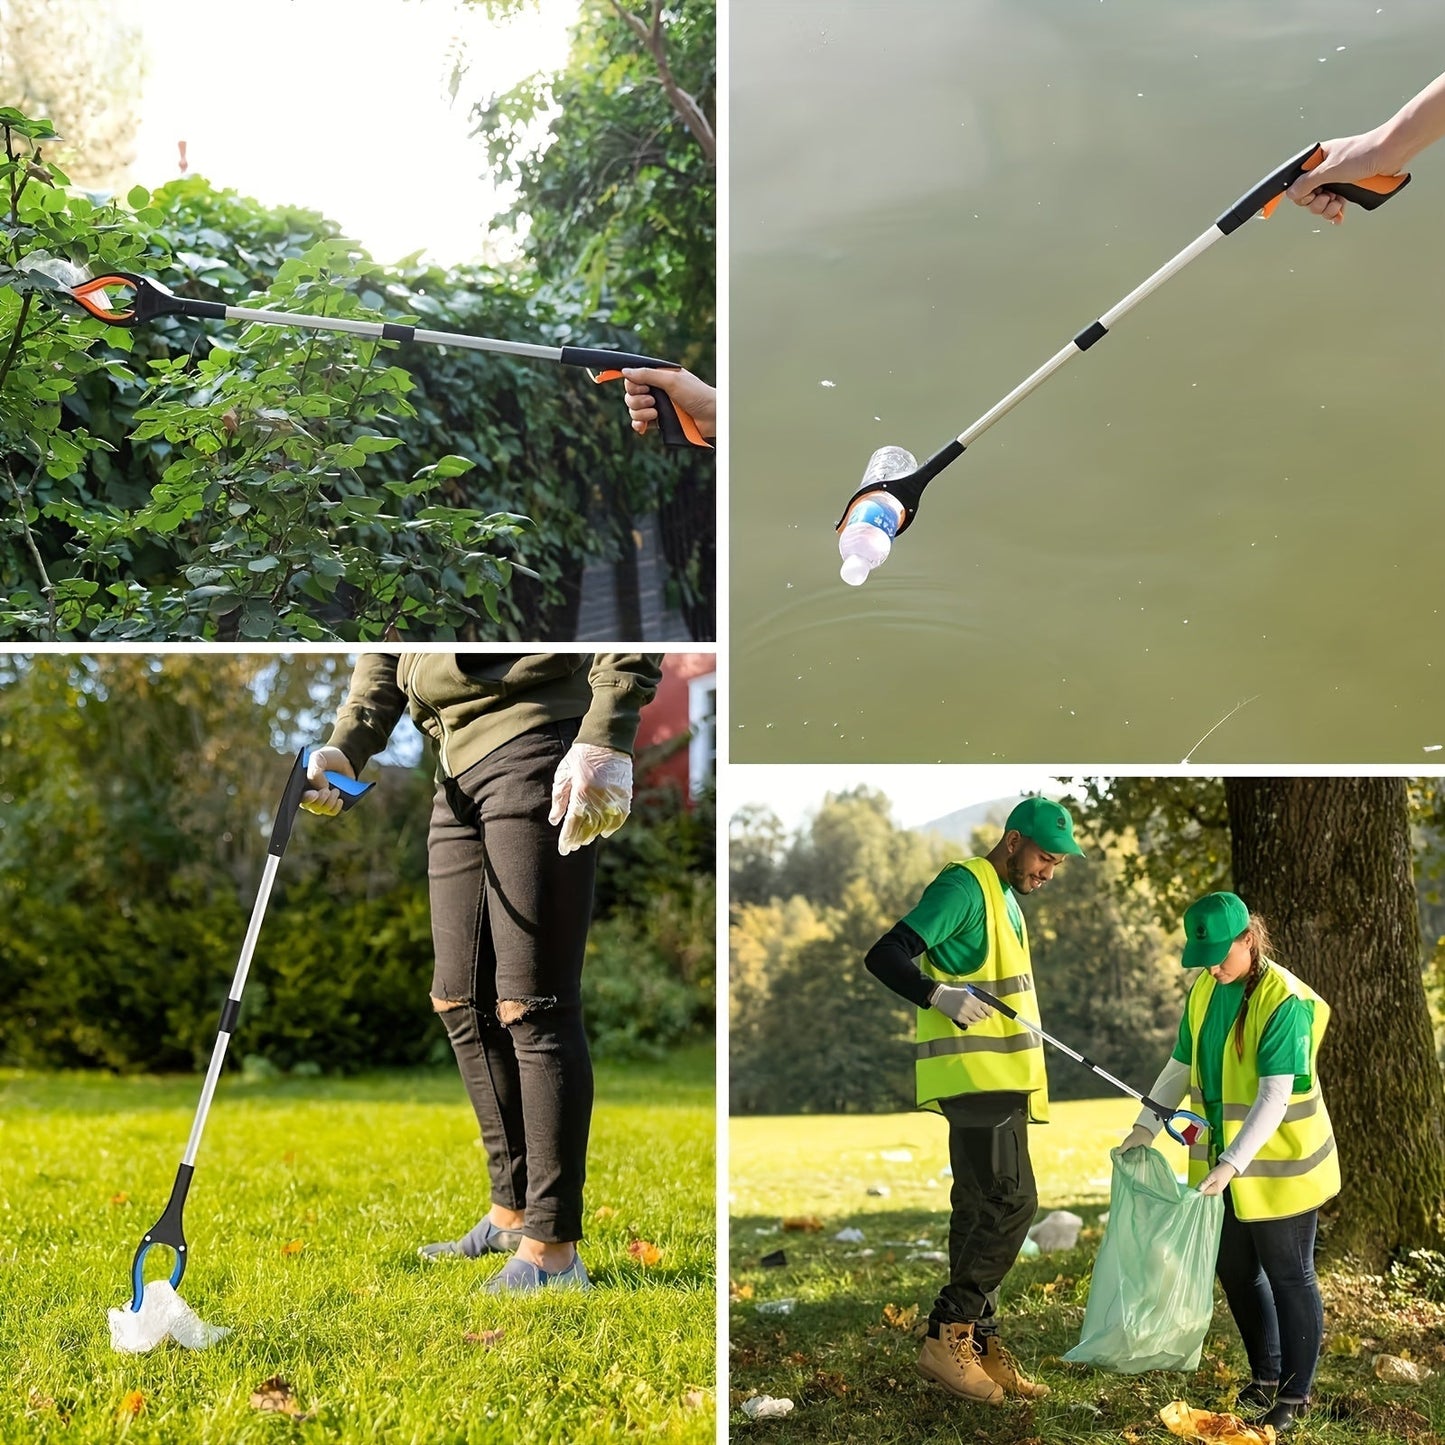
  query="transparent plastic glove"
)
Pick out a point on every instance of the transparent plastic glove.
point(1217, 1180)
point(591, 795)
point(322, 798)
point(960, 1005)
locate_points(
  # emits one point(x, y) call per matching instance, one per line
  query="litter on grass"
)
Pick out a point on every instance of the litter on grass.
point(1211, 1428)
point(163, 1314)
point(777, 1306)
point(1395, 1371)
point(1059, 1230)
point(765, 1407)
point(849, 1236)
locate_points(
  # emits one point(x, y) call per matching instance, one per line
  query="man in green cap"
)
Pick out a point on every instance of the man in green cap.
point(985, 1075)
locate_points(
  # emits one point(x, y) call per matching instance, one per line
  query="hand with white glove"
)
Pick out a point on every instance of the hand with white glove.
point(1217, 1180)
point(591, 795)
point(322, 798)
point(960, 1005)
point(1139, 1137)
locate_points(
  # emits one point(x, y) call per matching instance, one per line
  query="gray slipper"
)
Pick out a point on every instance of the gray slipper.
point(483, 1238)
point(518, 1276)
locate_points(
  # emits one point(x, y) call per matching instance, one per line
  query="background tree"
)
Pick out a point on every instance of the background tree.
point(1327, 861)
point(80, 66)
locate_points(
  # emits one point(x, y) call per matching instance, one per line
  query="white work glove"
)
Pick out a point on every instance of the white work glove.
point(322, 798)
point(1217, 1179)
point(591, 795)
point(959, 1005)
point(1140, 1136)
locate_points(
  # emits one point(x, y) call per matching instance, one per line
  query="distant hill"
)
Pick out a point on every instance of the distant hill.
point(959, 827)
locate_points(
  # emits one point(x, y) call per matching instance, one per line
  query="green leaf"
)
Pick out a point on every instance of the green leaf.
point(136, 197)
point(263, 564)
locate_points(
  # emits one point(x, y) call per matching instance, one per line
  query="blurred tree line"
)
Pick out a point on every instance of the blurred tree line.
point(136, 797)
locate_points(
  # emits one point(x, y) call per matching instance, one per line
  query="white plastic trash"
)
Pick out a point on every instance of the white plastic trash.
point(849, 1236)
point(777, 1306)
point(1059, 1230)
point(163, 1314)
point(765, 1407)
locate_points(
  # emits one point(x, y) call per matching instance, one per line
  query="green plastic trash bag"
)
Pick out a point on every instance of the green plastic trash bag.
point(1152, 1294)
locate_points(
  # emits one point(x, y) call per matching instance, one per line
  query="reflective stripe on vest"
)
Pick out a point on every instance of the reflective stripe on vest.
point(997, 1055)
point(1297, 1168)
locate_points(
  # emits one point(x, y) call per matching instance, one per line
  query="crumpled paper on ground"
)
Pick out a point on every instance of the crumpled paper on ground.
point(1212, 1428)
point(163, 1314)
point(1395, 1371)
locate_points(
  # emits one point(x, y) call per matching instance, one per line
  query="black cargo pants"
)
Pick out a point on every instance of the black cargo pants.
point(994, 1201)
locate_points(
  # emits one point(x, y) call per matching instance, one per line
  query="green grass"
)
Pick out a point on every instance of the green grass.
point(370, 1338)
point(852, 1376)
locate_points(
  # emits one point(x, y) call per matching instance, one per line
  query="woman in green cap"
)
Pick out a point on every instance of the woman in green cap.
point(1246, 1056)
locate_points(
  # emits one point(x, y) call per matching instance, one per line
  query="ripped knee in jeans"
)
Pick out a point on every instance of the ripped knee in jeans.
point(446, 1005)
point(513, 1010)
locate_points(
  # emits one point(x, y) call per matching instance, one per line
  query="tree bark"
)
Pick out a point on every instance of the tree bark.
point(1327, 863)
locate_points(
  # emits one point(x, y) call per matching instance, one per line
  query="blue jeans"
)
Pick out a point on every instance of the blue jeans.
point(1267, 1269)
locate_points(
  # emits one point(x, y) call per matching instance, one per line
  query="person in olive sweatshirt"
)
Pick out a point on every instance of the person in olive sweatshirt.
point(533, 764)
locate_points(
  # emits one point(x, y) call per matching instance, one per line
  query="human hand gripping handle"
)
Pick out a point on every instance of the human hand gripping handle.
point(960, 1005)
point(591, 795)
point(1369, 191)
point(331, 780)
point(650, 389)
point(679, 427)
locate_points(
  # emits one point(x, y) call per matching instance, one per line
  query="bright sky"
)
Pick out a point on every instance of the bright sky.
point(919, 792)
point(340, 106)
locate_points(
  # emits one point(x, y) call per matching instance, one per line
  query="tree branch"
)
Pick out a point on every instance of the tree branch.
point(654, 41)
point(47, 587)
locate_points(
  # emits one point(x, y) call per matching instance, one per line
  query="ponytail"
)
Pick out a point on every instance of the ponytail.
point(1259, 950)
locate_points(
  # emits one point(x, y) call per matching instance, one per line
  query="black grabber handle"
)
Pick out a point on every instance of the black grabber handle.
point(1266, 195)
point(351, 792)
point(677, 427)
point(105, 297)
point(167, 1230)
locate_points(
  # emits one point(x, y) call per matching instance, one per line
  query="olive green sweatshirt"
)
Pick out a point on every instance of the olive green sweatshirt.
point(470, 703)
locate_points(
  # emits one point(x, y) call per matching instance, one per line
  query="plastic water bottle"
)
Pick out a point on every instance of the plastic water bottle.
point(874, 519)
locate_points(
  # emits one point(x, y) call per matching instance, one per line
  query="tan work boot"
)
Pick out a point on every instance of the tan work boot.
point(952, 1360)
point(1001, 1367)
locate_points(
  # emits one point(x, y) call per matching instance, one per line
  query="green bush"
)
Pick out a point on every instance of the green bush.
point(204, 480)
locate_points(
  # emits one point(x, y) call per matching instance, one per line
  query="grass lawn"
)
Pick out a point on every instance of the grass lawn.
point(851, 1373)
point(372, 1341)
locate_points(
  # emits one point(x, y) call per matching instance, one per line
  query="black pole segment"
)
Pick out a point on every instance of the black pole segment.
point(598, 356)
point(1274, 184)
point(390, 331)
point(230, 1013)
point(1090, 334)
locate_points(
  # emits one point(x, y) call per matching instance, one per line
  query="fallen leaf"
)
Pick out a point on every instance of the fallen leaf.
point(366, 1289)
point(294, 1246)
point(289, 1157)
point(804, 1224)
point(603, 1211)
point(39, 1403)
point(738, 1291)
point(1212, 1428)
point(275, 1394)
point(310, 1216)
point(644, 1250)
point(695, 1399)
point(898, 1317)
point(121, 1198)
point(133, 1403)
point(485, 1338)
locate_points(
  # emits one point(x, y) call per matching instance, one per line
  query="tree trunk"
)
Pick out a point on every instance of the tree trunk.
point(1327, 863)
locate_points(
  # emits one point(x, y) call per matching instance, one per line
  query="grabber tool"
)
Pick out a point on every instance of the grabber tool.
point(1182, 1126)
point(168, 1230)
point(900, 477)
point(122, 298)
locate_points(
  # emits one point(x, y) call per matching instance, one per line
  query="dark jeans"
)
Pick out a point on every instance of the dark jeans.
point(509, 925)
point(994, 1201)
point(1267, 1268)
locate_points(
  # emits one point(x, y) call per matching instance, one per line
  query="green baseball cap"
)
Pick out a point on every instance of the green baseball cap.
point(1046, 823)
point(1211, 924)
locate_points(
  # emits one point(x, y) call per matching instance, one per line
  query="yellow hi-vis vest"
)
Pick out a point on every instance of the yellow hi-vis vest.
point(1297, 1168)
point(997, 1054)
